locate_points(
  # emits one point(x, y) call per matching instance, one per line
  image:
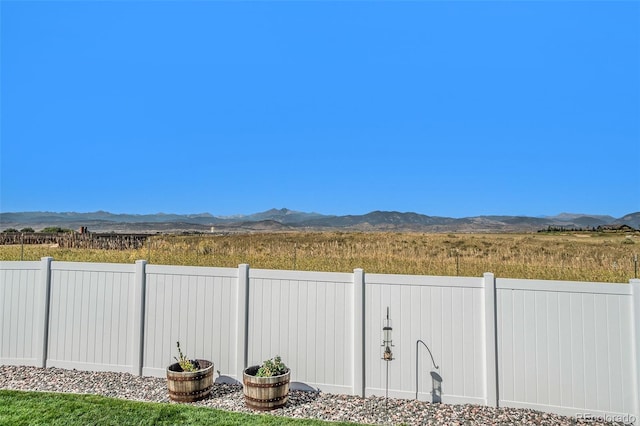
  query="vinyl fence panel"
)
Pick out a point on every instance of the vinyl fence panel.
point(196, 306)
point(21, 313)
point(91, 316)
point(306, 317)
point(445, 313)
point(566, 345)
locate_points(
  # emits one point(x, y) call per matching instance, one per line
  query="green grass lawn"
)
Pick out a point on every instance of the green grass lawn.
point(42, 408)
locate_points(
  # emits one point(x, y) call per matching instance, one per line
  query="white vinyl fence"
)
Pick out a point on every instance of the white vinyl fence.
point(570, 348)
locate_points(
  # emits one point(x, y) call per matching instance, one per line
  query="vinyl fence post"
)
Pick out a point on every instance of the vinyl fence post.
point(138, 317)
point(490, 340)
point(635, 292)
point(45, 280)
point(358, 333)
point(242, 322)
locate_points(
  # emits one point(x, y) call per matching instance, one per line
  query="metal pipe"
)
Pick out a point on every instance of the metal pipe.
point(432, 360)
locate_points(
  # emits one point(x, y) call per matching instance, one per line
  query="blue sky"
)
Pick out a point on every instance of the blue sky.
point(441, 108)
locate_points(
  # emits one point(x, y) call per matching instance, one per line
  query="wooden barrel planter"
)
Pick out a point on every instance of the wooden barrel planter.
point(189, 386)
point(265, 393)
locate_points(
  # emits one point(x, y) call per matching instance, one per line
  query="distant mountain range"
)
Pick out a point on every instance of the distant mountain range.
point(290, 220)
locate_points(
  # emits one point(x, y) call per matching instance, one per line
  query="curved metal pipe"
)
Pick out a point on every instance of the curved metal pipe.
point(432, 360)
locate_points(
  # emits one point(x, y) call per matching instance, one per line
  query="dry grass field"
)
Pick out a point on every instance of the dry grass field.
point(595, 257)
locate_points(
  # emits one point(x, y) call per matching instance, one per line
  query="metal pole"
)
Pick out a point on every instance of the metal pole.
point(386, 395)
point(417, 371)
point(387, 356)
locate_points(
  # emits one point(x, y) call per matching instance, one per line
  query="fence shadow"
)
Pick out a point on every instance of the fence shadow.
point(226, 380)
point(436, 387)
point(301, 394)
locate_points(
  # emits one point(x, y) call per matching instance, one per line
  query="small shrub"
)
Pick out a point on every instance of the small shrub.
point(272, 367)
point(185, 363)
point(55, 230)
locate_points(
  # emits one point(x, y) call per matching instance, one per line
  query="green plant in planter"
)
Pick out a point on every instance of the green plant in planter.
point(185, 363)
point(272, 367)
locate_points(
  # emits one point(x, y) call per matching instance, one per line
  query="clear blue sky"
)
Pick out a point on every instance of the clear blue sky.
point(441, 108)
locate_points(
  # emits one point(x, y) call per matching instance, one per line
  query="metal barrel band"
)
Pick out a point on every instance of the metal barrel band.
point(279, 398)
point(265, 385)
point(191, 378)
point(198, 392)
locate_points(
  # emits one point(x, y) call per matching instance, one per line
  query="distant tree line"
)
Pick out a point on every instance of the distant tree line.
point(47, 230)
point(600, 228)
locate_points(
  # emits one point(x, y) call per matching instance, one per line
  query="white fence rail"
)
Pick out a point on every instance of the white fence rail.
point(564, 347)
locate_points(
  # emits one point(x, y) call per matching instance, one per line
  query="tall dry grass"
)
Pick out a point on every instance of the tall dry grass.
point(580, 257)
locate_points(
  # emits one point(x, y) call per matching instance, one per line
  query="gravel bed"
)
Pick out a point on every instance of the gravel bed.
point(302, 404)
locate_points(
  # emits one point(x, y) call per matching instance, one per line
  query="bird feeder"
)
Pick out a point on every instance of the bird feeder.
point(387, 344)
point(387, 341)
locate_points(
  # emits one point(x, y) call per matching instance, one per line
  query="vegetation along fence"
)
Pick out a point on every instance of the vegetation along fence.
point(570, 348)
point(110, 241)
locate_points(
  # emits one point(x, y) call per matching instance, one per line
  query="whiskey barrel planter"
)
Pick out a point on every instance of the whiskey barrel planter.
point(190, 386)
point(265, 393)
